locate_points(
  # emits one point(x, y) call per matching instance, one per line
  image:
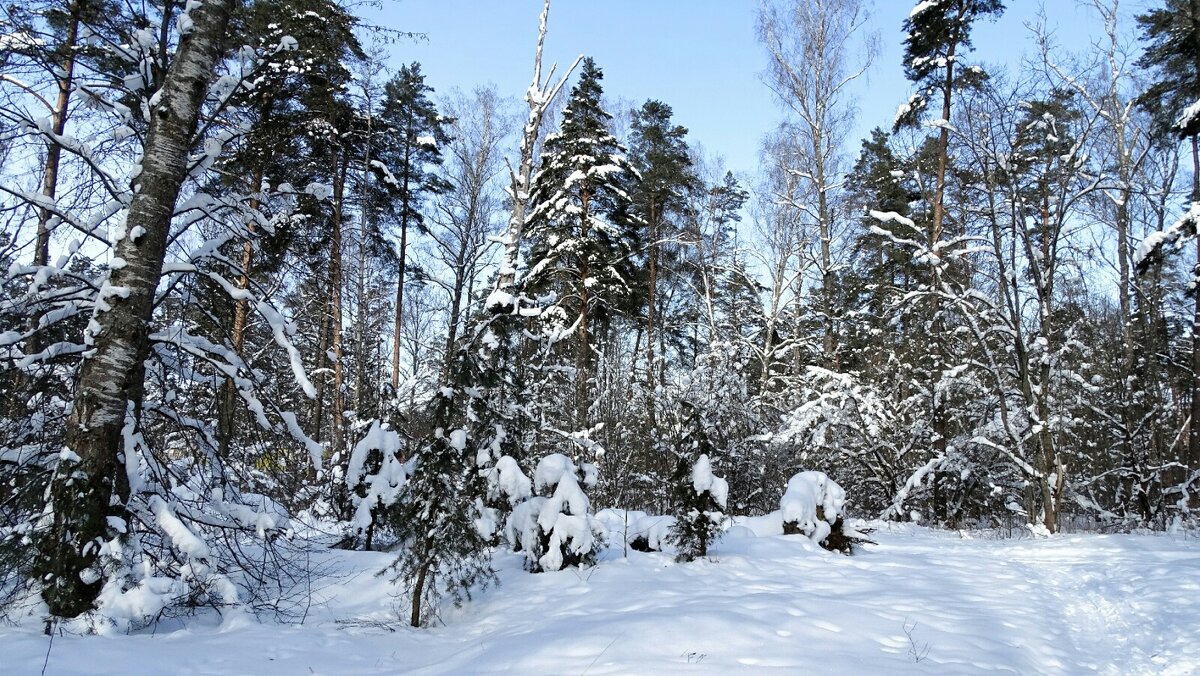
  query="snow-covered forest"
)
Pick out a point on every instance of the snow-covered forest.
point(291, 333)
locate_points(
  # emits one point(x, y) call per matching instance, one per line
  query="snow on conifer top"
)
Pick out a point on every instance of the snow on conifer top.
point(704, 481)
point(579, 229)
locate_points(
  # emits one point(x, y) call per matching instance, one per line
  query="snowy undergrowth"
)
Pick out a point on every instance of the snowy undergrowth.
point(923, 601)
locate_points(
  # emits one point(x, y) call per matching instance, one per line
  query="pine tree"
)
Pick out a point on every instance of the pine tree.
point(406, 165)
point(939, 35)
point(294, 83)
point(68, 22)
point(332, 123)
point(711, 215)
point(660, 154)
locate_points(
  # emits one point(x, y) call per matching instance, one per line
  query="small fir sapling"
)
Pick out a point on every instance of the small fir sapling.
point(375, 476)
point(699, 497)
point(440, 517)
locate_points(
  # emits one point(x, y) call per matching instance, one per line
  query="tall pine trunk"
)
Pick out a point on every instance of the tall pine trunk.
point(58, 124)
point(227, 413)
point(89, 484)
point(335, 304)
point(405, 196)
point(1193, 459)
point(651, 295)
point(938, 412)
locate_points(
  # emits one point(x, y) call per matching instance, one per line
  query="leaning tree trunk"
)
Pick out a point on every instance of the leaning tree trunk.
point(89, 482)
point(58, 124)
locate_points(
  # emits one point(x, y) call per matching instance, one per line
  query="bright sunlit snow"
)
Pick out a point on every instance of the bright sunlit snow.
point(922, 601)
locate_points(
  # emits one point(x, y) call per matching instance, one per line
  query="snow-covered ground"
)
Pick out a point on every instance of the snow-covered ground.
point(922, 601)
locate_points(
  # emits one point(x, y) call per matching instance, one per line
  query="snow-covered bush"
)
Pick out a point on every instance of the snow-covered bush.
point(651, 533)
point(375, 476)
point(813, 506)
point(555, 529)
point(699, 500)
point(521, 529)
point(507, 483)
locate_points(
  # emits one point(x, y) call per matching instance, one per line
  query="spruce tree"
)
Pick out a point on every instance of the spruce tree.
point(882, 181)
point(440, 519)
point(582, 238)
point(555, 529)
point(1172, 34)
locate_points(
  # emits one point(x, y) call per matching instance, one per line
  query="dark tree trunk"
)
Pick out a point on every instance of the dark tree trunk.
point(405, 197)
point(335, 305)
point(1193, 459)
point(938, 412)
point(651, 297)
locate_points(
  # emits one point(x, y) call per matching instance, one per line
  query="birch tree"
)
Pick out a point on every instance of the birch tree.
point(813, 66)
point(89, 484)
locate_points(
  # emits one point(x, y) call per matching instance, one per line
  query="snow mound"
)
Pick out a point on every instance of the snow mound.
point(651, 533)
point(737, 532)
point(556, 530)
point(811, 505)
point(1070, 604)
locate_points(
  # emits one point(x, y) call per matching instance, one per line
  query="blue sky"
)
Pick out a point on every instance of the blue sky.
point(699, 56)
